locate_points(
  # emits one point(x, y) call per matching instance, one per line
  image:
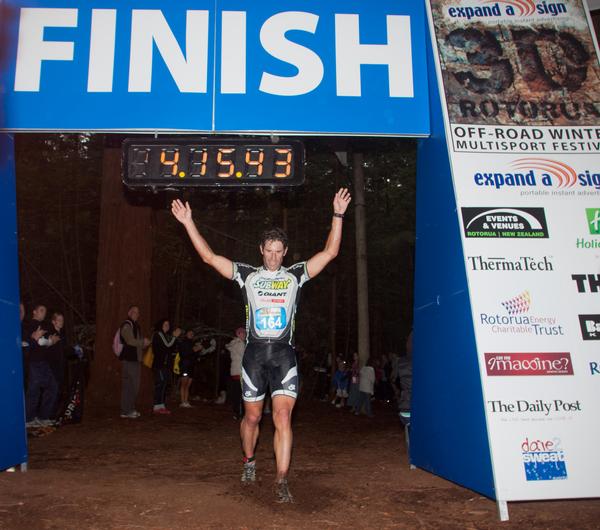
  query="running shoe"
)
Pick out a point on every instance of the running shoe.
point(161, 411)
point(282, 491)
point(249, 472)
point(185, 405)
point(131, 415)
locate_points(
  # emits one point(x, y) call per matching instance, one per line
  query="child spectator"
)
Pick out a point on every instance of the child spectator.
point(340, 382)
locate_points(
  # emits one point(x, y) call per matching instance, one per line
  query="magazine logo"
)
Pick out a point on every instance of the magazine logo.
point(505, 222)
point(519, 320)
point(508, 8)
point(502, 264)
point(543, 459)
point(504, 364)
point(586, 283)
point(536, 172)
point(590, 327)
point(537, 406)
point(593, 223)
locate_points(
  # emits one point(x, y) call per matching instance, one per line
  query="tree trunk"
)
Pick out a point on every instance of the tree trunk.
point(123, 279)
point(362, 285)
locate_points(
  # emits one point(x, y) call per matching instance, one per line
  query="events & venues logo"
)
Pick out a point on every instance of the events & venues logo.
point(544, 459)
point(505, 222)
point(516, 318)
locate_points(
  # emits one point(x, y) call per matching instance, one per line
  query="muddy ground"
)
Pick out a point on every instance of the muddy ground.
point(182, 471)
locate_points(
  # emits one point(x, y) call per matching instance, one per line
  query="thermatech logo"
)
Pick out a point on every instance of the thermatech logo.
point(539, 172)
point(505, 222)
point(507, 8)
point(543, 459)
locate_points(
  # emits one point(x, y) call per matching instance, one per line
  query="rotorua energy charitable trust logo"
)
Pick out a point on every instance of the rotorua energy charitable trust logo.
point(516, 317)
point(544, 459)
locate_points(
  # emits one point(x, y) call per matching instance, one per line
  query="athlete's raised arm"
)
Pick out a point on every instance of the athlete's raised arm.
point(319, 261)
point(183, 213)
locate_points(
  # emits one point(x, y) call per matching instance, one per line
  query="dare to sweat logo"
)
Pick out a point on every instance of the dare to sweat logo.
point(544, 459)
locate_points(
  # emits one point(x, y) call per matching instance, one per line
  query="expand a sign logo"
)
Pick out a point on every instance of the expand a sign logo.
point(493, 9)
point(543, 459)
point(518, 319)
point(505, 222)
point(506, 364)
point(593, 223)
point(540, 172)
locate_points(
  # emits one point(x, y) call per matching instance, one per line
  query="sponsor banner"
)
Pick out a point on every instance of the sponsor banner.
point(520, 84)
point(528, 364)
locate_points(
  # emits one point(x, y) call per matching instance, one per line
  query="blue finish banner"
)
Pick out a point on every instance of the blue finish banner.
point(308, 67)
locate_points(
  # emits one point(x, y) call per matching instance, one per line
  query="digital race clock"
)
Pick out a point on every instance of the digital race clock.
point(191, 162)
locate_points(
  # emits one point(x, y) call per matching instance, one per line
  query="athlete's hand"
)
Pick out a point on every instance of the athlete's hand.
point(182, 213)
point(341, 200)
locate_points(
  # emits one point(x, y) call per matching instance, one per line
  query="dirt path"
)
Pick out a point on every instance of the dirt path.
point(182, 471)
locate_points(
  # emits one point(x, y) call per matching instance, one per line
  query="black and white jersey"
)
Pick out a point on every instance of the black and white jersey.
point(271, 298)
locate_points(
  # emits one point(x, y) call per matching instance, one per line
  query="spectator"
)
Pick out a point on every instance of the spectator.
point(187, 360)
point(366, 386)
point(405, 381)
point(354, 391)
point(41, 386)
point(236, 348)
point(164, 348)
point(131, 357)
point(340, 382)
point(57, 354)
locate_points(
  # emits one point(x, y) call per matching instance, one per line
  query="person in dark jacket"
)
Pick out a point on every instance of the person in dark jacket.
point(57, 354)
point(41, 385)
point(164, 347)
point(131, 357)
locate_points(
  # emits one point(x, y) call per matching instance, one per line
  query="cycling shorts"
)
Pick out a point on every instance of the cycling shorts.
point(269, 364)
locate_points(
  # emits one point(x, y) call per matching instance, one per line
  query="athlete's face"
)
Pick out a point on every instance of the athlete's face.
point(273, 253)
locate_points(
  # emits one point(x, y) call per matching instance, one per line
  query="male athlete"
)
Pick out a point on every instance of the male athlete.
point(271, 296)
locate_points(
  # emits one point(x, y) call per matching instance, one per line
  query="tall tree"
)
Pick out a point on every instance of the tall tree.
point(362, 277)
point(124, 275)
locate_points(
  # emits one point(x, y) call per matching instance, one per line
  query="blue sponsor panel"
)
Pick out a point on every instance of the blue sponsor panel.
point(347, 67)
point(448, 426)
point(99, 65)
point(215, 66)
point(13, 438)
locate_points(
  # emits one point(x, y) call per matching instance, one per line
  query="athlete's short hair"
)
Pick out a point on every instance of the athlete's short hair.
point(274, 234)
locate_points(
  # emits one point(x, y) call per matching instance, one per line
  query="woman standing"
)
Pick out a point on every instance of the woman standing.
point(164, 348)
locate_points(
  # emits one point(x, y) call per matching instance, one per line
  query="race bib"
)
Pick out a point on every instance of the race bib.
point(270, 318)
